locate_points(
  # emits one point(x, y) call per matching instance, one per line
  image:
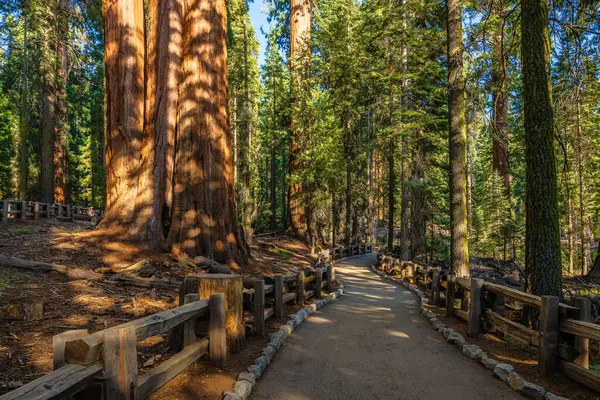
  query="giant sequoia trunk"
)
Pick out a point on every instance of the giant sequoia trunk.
point(459, 253)
point(300, 22)
point(60, 133)
point(169, 156)
point(542, 237)
point(47, 127)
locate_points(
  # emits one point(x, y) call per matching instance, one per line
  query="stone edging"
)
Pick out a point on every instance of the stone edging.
point(502, 371)
point(246, 380)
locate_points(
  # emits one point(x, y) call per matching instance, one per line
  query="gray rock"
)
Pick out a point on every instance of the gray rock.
point(231, 396)
point(247, 376)
point(552, 396)
point(515, 381)
point(437, 325)
point(446, 332)
point(262, 362)
point(286, 329)
point(533, 391)
point(242, 389)
point(255, 369)
point(472, 351)
point(489, 362)
point(457, 339)
point(269, 351)
point(502, 370)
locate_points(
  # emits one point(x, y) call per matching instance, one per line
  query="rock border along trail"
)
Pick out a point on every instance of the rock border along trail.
point(373, 344)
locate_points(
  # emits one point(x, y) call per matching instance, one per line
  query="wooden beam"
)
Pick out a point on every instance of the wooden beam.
point(120, 364)
point(59, 384)
point(548, 351)
point(300, 288)
point(58, 345)
point(88, 349)
point(461, 314)
point(521, 297)
point(450, 288)
point(580, 328)
point(318, 283)
point(435, 287)
point(278, 296)
point(189, 326)
point(475, 308)
point(289, 296)
point(4, 210)
point(217, 331)
point(514, 329)
point(259, 307)
point(582, 344)
point(586, 377)
point(153, 380)
point(268, 313)
point(464, 283)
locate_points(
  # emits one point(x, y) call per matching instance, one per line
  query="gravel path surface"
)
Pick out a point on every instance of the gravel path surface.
point(372, 343)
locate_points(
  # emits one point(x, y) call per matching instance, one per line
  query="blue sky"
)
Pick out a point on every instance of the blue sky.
point(259, 22)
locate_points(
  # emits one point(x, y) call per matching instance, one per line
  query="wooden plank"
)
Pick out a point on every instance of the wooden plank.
point(88, 349)
point(268, 313)
point(300, 288)
point(159, 376)
point(318, 283)
point(450, 288)
point(308, 294)
point(259, 307)
point(58, 345)
point(189, 326)
point(514, 329)
point(278, 296)
point(58, 384)
point(548, 351)
point(23, 210)
point(309, 279)
point(475, 308)
point(464, 283)
point(435, 287)
point(217, 331)
point(582, 344)
point(461, 314)
point(289, 278)
point(289, 296)
point(586, 377)
point(521, 297)
point(580, 328)
point(120, 363)
point(330, 278)
point(36, 210)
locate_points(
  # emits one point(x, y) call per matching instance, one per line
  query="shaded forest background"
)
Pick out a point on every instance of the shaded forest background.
point(372, 112)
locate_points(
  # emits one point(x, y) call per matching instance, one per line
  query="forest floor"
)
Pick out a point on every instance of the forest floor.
point(26, 345)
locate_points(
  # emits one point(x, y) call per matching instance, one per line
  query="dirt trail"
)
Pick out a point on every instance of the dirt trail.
point(373, 344)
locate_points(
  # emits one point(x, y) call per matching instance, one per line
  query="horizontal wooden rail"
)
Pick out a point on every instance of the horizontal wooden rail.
point(580, 328)
point(88, 349)
point(521, 297)
point(514, 329)
point(586, 377)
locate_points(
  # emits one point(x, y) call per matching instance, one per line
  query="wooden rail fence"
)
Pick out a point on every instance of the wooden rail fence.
point(21, 209)
point(354, 250)
point(563, 332)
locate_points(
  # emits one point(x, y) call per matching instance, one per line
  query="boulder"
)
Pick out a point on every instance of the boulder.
point(515, 381)
point(489, 362)
point(242, 389)
point(502, 370)
point(552, 396)
point(472, 351)
point(247, 376)
point(231, 396)
point(533, 391)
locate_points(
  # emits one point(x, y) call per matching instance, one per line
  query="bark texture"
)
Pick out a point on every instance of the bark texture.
point(169, 156)
point(542, 237)
point(60, 131)
point(459, 248)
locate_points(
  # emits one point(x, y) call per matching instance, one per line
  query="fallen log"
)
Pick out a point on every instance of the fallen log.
point(211, 266)
point(146, 283)
point(71, 272)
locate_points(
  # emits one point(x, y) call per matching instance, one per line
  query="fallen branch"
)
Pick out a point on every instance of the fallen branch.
point(71, 272)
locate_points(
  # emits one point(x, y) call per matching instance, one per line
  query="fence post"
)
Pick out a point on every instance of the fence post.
point(68, 211)
point(23, 213)
point(189, 326)
point(4, 210)
point(217, 333)
point(548, 355)
point(330, 278)
point(450, 288)
point(58, 345)
point(475, 308)
point(582, 345)
point(36, 210)
point(318, 282)
point(278, 296)
point(435, 287)
point(120, 363)
point(259, 307)
point(300, 288)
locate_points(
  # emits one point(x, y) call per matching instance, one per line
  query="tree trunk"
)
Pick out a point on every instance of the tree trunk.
point(300, 27)
point(24, 115)
point(370, 185)
point(459, 253)
point(61, 193)
point(348, 214)
point(47, 128)
point(169, 158)
point(418, 205)
point(583, 226)
point(542, 237)
point(244, 149)
point(404, 210)
point(391, 197)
